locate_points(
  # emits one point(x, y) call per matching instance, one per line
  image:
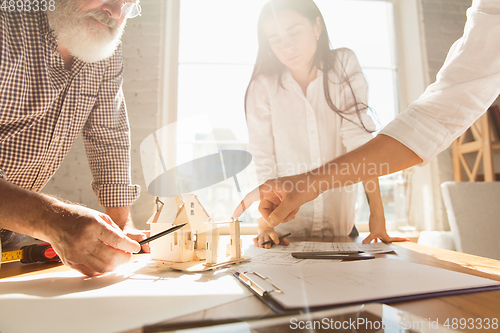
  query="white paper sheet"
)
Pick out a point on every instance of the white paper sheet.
point(129, 298)
point(265, 257)
point(318, 284)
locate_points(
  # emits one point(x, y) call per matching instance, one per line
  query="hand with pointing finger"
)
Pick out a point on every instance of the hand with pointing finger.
point(281, 198)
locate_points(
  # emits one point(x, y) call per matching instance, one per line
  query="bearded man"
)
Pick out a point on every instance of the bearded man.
point(61, 75)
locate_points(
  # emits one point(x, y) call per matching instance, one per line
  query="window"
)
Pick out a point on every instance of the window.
point(217, 49)
point(367, 28)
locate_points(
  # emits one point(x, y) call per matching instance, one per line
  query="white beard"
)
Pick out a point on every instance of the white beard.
point(81, 35)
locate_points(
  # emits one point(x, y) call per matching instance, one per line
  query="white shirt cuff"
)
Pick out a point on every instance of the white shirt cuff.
point(423, 135)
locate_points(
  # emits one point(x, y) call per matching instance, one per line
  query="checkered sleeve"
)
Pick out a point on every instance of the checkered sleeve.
point(106, 136)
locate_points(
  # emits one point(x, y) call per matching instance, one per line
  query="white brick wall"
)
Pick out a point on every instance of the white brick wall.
point(443, 22)
point(141, 49)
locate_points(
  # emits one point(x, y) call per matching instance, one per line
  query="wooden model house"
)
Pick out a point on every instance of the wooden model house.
point(187, 244)
point(195, 242)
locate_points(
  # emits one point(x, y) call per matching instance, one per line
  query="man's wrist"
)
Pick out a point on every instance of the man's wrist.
point(121, 217)
point(264, 229)
point(319, 180)
point(51, 212)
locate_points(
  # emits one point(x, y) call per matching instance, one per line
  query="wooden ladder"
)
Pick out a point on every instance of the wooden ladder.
point(482, 144)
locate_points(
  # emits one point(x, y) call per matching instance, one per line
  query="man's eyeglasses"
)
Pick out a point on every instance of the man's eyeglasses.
point(130, 9)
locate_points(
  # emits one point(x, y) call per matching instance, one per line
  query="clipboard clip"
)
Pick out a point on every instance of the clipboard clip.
point(258, 289)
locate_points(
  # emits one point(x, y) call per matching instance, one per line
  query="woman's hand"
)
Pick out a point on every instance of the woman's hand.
point(266, 234)
point(269, 234)
point(378, 231)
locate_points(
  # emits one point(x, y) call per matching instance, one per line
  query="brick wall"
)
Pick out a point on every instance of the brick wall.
point(141, 49)
point(443, 23)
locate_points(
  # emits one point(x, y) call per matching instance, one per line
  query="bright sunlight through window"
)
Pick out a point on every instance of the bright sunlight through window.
point(217, 50)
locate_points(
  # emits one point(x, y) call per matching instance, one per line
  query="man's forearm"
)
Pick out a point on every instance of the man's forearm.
point(381, 156)
point(281, 198)
point(25, 211)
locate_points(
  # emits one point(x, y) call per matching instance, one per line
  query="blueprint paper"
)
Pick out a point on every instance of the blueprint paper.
point(329, 246)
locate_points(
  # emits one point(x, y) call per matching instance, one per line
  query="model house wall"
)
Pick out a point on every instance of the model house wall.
point(187, 244)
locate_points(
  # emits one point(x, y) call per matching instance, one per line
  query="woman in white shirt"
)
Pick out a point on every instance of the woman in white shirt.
point(306, 105)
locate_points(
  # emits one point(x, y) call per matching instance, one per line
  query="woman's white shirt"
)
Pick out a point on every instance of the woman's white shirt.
point(290, 133)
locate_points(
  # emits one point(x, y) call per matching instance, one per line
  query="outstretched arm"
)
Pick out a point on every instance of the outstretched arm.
point(281, 198)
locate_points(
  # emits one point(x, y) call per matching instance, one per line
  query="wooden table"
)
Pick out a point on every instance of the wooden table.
point(476, 305)
point(480, 305)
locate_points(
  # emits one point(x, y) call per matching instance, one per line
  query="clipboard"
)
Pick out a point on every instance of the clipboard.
point(284, 293)
point(262, 293)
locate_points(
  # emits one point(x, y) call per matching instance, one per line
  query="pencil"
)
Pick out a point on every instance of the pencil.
point(281, 237)
point(161, 234)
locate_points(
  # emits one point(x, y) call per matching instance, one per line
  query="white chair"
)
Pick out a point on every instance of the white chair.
point(474, 215)
point(439, 239)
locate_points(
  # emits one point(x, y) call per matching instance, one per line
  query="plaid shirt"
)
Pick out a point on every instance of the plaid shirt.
point(43, 108)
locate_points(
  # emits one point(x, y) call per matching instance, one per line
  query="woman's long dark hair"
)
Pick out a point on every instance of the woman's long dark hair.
point(269, 65)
